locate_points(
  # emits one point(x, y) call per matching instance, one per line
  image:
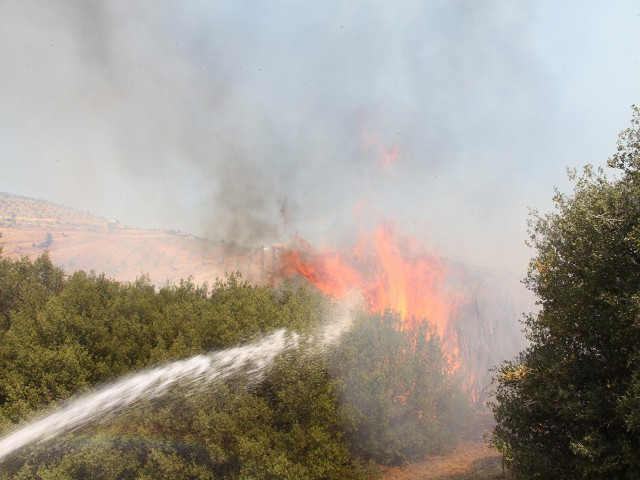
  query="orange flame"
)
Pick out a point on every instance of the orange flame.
point(389, 157)
point(391, 271)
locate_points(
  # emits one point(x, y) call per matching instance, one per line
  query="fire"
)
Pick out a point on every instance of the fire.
point(391, 271)
point(389, 157)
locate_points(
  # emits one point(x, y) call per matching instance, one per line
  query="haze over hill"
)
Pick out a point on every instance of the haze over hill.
point(84, 241)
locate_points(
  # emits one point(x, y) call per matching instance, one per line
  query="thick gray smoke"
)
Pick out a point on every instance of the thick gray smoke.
point(249, 121)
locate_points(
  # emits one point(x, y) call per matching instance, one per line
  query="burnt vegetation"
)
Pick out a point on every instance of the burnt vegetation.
point(380, 396)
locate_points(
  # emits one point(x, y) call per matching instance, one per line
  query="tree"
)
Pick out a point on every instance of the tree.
point(568, 406)
point(26, 285)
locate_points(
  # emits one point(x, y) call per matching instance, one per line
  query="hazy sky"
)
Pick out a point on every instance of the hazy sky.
point(254, 120)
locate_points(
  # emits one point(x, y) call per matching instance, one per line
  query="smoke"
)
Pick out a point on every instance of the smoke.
point(250, 122)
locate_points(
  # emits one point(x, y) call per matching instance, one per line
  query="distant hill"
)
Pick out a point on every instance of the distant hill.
point(83, 241)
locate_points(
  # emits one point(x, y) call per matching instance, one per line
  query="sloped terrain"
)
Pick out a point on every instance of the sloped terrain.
point(83, 241)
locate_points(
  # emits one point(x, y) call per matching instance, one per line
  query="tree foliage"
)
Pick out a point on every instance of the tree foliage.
point(568, 406)
point(62, 335)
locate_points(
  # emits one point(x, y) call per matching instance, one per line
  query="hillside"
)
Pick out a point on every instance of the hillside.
point(83, 241)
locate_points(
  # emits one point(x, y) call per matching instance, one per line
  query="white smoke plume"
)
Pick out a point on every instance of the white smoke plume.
point(249, 121)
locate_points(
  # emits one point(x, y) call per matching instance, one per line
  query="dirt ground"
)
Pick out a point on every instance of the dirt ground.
point(470, 459)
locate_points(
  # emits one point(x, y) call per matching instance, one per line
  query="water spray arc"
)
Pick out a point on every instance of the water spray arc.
point(254, 358)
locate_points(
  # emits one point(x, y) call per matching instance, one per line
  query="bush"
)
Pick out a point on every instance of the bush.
point(567, 407)
point(399, 398)
point(382, 394)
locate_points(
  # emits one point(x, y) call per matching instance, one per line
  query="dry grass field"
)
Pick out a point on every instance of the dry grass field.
point(83, 241)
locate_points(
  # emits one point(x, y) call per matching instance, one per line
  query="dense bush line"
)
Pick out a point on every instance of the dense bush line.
point(382, 395)
point(569, 406)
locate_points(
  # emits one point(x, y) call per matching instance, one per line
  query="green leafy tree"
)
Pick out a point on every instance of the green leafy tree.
point(569, 405)
point(26, 285)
